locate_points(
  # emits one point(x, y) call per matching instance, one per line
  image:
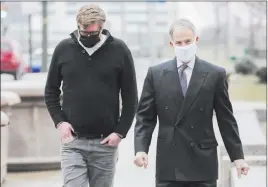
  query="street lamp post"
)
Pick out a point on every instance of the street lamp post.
point(44, 36)
point(151, 28)
point(30, 48)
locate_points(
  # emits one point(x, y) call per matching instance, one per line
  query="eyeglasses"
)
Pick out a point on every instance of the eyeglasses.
point(89, 29)
point(86, 33)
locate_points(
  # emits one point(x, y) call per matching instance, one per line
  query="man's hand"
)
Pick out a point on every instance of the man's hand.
point(242, 167)
point(141, 159)
point(112, 140)
point(66, 132)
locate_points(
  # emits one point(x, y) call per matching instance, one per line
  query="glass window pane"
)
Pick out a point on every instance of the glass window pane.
point(141, 28)
point(136, 6)
point(136, 17)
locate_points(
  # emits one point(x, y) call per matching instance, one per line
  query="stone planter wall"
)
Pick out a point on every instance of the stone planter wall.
point(8, 99)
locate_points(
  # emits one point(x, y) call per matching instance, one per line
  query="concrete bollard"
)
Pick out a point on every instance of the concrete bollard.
point(37, 77)
point(4, 119)
point(8, 99)
point(34, 140)
point(4, 145)
point(6, 77)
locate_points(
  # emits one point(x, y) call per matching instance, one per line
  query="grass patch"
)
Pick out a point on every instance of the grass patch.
point(246, 88)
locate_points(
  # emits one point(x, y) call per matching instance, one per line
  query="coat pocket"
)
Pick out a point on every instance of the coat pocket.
point(208, 143)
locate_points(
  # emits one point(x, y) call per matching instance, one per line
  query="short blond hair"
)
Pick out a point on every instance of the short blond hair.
point(90, 13)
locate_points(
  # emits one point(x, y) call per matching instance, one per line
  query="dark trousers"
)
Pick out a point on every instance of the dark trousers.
point(186, 184)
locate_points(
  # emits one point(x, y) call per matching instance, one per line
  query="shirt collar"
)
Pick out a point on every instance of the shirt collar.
point(189, 64)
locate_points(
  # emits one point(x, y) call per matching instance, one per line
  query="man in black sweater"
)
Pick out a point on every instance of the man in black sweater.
point(94, 68)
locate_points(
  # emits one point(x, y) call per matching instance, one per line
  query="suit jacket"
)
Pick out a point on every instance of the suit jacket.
point(186, 145)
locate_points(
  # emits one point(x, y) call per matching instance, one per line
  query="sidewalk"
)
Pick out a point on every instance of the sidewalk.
point(34, 179)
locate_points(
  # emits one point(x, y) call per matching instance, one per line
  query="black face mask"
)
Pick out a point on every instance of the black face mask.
point(90, 41)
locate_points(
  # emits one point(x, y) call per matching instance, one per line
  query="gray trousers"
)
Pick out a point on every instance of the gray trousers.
point(88, 163)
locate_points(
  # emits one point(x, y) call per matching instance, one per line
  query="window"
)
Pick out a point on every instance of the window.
point(136, 7)
point(136, 17)
point(161, 29)
point(72, 8)
point(51, 8)
point(37, 6)
point(161, 16)
point(112, 6)
point(71, 3)
point(137, 28)
point(162, 7)
point(71, 12)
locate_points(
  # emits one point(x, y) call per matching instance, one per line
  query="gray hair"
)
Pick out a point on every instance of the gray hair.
point(90, 13)
point(181, 23)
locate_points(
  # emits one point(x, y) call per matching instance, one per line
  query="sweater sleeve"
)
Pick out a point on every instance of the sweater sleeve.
point(52, 88)
point(129, 94)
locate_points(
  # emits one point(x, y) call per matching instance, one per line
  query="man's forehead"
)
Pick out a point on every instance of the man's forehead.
point(182, 31)
point(183, 34)
point(90, 28)
point(183, 39)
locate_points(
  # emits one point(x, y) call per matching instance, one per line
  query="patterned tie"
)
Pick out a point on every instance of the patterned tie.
point(183, 78)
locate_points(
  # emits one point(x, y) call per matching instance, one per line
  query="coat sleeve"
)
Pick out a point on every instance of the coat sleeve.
point(146, 117)
point(226, 120)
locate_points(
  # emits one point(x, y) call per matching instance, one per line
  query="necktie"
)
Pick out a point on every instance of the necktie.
point(183, 78)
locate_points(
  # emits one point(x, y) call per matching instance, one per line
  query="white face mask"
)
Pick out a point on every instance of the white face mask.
point(185, 53)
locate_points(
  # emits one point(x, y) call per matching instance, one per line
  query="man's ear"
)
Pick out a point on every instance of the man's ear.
point(197, 39)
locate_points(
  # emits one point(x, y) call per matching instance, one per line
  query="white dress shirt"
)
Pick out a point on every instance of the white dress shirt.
point(91, 50)
point(188, 71)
